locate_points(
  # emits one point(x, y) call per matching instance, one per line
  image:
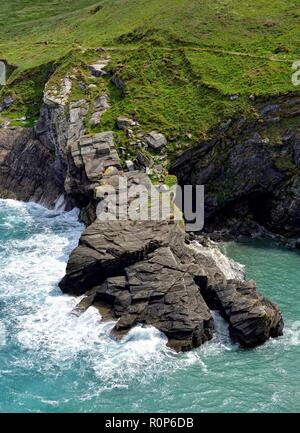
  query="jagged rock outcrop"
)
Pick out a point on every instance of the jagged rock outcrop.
point(94, 154)
point(137, 270)
point(145, 273)
point(250, 169)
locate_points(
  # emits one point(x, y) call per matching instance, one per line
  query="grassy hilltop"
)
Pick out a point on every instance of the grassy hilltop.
point(181, 60)
point(253, 27)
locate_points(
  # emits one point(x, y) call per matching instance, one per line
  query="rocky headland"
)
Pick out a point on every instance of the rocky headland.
point(150, 272)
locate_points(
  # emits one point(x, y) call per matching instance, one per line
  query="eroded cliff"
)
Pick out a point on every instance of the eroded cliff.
point(250, 169)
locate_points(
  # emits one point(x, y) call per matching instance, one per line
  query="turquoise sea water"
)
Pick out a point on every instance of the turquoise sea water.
point(51, 361)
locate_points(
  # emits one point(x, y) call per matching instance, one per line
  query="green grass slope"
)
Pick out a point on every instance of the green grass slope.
point(181, 59)
point(257, 27)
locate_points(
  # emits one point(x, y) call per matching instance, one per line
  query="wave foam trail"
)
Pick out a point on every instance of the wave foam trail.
point(221, 330)
point(2, 334)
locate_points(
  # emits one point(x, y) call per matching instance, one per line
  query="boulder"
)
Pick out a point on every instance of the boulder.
point(124, 122)
point(7, 102)
point(252, 318)
point(144, 160)
point(101, 103)
point(120, 84)
point(155, 140)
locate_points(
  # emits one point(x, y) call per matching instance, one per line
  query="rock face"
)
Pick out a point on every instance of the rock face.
point(134, 271)
point(101, 105)
point(28, 169)
point(250, 172)
point(95, 153)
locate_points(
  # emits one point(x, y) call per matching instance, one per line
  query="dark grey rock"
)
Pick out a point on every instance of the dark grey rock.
point(144, 160)
point(250, 180)
point(296, 152)
point(28, 171)
point(7, 102)
point(252, 318)
point(119, 83)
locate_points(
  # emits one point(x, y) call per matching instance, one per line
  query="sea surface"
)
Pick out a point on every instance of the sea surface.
point(52, 361)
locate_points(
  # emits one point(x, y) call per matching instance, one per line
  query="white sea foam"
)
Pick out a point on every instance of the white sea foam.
point(60, 203)
point(2, 334)
point(230, 268)
point(222, 332)
point(31, 269)
point(291, 336)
